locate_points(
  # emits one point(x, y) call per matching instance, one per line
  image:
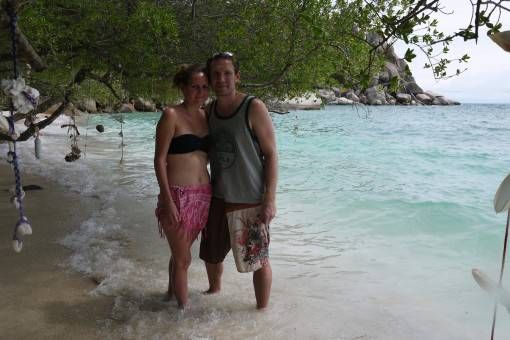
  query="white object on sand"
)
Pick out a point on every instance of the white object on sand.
point(502, 198)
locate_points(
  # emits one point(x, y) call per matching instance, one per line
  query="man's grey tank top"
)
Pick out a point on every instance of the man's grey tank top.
point(237, 166)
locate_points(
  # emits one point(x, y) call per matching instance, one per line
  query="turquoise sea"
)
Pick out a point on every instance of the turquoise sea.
point(382, 214)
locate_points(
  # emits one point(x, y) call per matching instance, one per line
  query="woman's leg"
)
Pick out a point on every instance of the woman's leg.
point(180, 246)
point(170, 292)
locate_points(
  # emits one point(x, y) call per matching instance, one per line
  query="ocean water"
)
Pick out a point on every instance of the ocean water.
point(382, 214)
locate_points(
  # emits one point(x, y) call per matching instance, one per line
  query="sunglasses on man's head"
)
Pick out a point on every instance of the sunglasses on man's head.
point(223, 55)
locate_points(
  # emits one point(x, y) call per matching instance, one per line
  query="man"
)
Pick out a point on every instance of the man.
point(244, 165)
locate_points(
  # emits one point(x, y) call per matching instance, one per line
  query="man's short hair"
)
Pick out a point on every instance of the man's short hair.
point(222, 55)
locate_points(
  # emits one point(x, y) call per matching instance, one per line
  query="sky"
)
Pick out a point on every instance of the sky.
point(487, 78)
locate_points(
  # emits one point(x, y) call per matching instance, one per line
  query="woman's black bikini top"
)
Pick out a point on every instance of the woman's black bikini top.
point(188, 143)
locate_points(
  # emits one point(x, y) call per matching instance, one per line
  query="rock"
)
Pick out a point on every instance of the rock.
point(375, 96)
point(391, 69)
point(327, 96)
point(308, 101)
point(411, 87)
point(424, 98)
point(432, 94)
point(126, 107)
point(351, 96)
point(87, 104)
point(441, 100)
point(100, 128)
point(363, 99)
point(143, 105)
point(384, 77)
point(403, 98)
point(343, 101)
point(390, 99)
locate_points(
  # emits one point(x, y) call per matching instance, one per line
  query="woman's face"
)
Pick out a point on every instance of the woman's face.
point(197, 91)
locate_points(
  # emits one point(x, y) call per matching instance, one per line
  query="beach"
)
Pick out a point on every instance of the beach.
point(382, 214)
point(41, 297)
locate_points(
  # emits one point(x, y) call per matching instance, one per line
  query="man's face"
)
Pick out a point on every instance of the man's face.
point(223, 77)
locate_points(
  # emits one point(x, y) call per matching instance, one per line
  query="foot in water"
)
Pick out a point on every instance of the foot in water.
point(211, 291)
point(169, 296)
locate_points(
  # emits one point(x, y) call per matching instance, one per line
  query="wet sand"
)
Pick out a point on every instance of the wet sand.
point(40, 297)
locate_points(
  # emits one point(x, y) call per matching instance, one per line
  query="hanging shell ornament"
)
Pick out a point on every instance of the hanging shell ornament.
point(502, 39)
point(23, 227)
point(17, 245)
point(502, 197)
point(24, 98)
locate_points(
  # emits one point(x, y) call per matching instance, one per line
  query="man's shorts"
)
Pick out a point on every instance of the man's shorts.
point(215, 241)
point(230, 226)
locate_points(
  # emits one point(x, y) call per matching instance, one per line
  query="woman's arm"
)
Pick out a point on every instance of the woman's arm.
point(165, 131)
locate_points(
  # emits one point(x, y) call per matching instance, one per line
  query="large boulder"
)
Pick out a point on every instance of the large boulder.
point(343, 101)
point(411, 87)
point(143, 105)
point(390, 99)
point(87, 104)
point(351, 95)
point(424, 98)
point(308, 101)
point(441, 100)
point(391, 69)
point(126, 107)
point(375, 96)
point(403, 98)
point(327, 96)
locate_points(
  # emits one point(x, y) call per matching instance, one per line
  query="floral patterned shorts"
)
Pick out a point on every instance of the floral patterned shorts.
point(249, 239)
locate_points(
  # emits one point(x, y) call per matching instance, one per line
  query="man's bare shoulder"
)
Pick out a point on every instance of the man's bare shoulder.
point(258, 107)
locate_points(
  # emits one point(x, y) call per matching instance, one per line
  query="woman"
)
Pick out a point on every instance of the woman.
point(180, 162)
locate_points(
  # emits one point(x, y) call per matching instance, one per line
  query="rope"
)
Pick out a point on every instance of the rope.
point(12, 156)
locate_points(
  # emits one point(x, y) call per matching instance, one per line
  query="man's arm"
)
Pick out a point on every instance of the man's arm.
point(263, 128)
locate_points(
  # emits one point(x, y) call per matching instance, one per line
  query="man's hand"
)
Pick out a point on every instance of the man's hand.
point(268, 211)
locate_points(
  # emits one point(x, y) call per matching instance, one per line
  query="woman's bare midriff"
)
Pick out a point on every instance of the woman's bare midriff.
point(187, 169)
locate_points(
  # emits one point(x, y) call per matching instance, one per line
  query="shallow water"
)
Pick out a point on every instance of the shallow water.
point(382, 214)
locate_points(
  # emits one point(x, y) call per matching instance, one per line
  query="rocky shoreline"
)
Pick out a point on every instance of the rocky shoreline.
point(372, 96)
point(381, 91)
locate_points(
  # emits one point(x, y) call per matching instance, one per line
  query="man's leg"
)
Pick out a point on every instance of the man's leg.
point(215, 244)
point(214, 272)
point(262, 280)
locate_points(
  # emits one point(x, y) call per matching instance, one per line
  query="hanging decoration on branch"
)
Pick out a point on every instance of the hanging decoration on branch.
point(73, 134)
point(23, 100)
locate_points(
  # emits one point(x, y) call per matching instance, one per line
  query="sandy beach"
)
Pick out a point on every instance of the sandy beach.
point(41, 298)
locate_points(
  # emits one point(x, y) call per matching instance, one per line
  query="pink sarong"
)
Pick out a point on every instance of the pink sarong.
point(192, 202)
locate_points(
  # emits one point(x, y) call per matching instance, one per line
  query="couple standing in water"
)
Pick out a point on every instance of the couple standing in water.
point(236, 204)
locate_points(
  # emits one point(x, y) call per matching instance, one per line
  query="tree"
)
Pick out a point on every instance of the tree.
point(117, 49)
